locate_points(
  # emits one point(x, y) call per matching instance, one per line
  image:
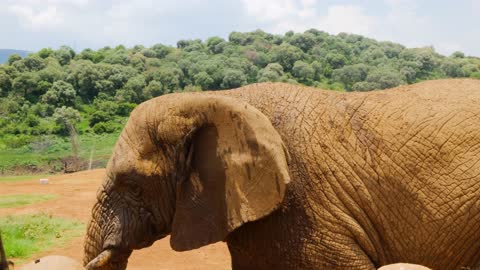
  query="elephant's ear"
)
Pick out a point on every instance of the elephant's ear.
point(238, 172)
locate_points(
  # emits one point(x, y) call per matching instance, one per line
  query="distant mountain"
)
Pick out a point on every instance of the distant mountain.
point(5, 53)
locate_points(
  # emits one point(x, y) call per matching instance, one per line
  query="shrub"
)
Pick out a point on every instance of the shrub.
point(16, 141)
point(104, 127)
point(475, 75)
point(32, 120)
point(124, 109)
point(98, 117)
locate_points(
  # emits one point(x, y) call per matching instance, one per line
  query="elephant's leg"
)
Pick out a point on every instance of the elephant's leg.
point(309, 253)
point(339, 252)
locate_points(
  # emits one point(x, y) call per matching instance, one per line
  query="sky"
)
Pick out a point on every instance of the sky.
point(446, 25)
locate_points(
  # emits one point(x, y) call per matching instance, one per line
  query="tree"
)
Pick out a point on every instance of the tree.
point(26, 85)
point(64, 54)
point(303, 71)
point(457, 54)
point(134, 87)
point(5, 83)
point(45, 52)
point(61, 94)
point(138, 61)
point(349, 75)
point(468, 69)
point(84, 76)
point(335, 60)
point(427, 59)
point(212, 44)
point(304, 41)
point(286, 55)
point(98, 117)
point(240, 38)
point(203, 79)
point(161, 50)
point(318, 68)
point(169, 77)
point(365, 86)
point(271, 73)
point(13, 58)
point(117, 57)
point(233, 78)
point(452, 68)
point(153, 89)
point(409, 73)
point(67, 117)
point(33, 62)
point(385, 78)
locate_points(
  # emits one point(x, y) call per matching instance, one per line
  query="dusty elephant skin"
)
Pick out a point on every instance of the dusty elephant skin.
point(298, 178)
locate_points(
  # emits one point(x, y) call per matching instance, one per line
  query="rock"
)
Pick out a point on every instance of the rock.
point(403, 266)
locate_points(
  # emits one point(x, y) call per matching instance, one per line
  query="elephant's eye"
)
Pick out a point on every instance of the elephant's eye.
point(135, 189)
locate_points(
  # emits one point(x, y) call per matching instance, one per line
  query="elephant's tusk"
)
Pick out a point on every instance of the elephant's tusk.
point(100, 260)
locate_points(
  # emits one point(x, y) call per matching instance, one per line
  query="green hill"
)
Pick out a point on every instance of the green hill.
point(5, 53)
point(95, 90)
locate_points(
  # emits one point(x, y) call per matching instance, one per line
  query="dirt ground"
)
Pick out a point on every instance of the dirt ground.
point(76, 194)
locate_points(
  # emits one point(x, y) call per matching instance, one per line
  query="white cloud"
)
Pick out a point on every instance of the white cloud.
point(46, 17)
point(447, 48)
point(475, 4)
point(347, 18)
point(270, 10)
point(403, 20)
point(300, 15)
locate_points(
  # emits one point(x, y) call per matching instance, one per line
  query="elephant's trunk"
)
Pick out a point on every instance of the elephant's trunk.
point(93, 244)
point(99, 251)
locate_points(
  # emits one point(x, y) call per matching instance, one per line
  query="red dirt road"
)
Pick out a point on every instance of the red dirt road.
point(76, 195)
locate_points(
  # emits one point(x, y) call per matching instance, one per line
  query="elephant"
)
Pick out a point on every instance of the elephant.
point(293, 177)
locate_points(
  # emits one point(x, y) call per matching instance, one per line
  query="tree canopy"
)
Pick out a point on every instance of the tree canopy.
point(96, 87)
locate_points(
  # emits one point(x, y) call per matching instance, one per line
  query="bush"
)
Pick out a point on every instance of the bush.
point(104, 127)
point(98, 117)
point(124, 109)
point(365, 86)
point(16, 141)
point(475, 75)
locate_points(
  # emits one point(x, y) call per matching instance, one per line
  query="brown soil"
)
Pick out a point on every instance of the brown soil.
point(76, 194)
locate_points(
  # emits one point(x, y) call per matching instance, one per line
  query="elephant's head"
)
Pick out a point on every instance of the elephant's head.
point(196, 166)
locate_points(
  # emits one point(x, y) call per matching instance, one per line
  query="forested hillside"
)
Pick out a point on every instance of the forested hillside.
point(55, 92)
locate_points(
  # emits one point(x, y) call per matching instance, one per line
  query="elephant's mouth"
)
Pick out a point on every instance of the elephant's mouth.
point(116, 257)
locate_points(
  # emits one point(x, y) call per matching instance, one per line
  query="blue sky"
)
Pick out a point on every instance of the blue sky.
point(33, 24)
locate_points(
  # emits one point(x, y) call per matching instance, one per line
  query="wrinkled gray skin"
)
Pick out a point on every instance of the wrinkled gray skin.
point(298, 178)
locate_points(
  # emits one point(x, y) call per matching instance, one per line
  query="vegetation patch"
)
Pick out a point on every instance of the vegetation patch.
point(28, 234)
point(9, 201)
point(45, 154)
